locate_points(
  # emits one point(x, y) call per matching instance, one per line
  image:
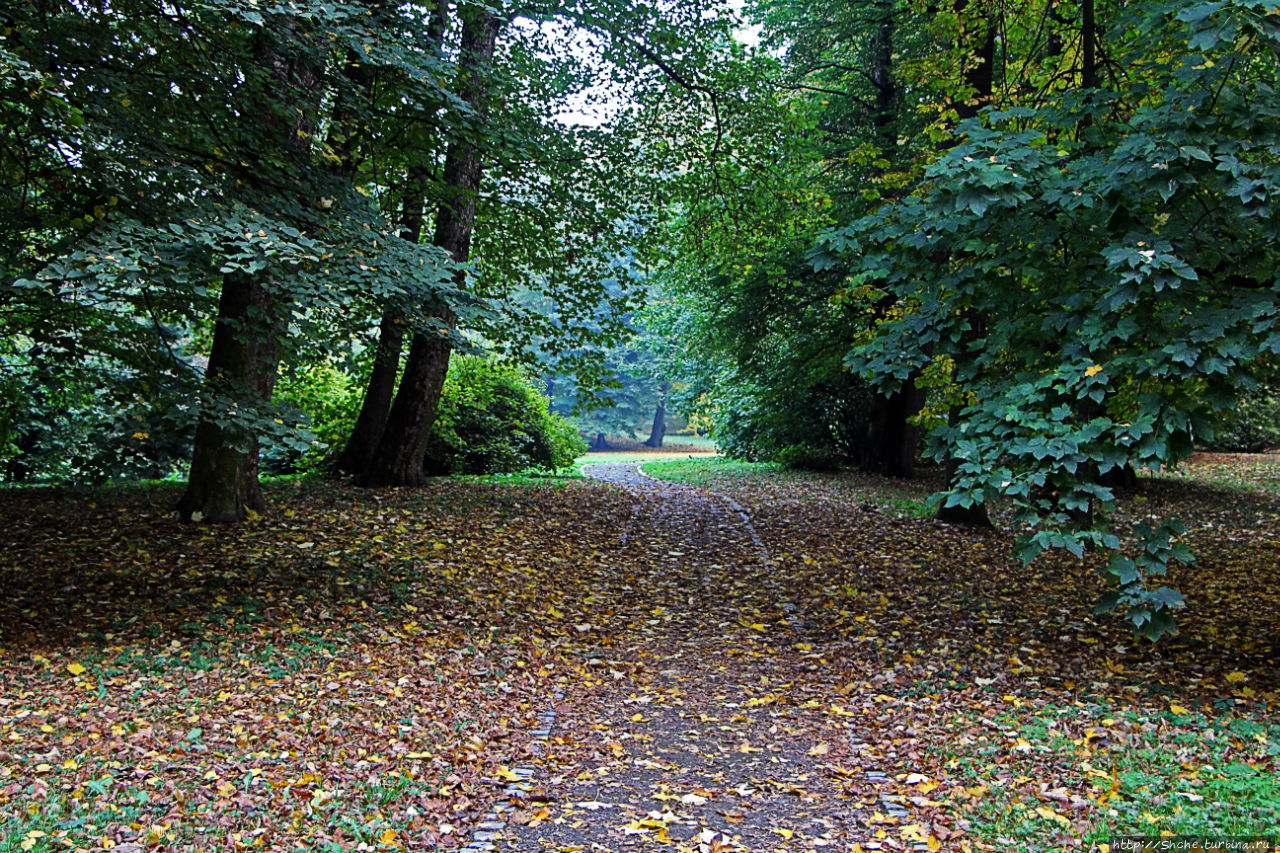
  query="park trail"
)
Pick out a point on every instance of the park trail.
point(703, 720)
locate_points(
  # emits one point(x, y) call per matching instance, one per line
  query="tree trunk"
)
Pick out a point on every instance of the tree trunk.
point(599, 442)
point(363, 441)
point(378, 391)
point(398, 458)
point(361, 445)
point(891, 445)
point(1089, 46)
point(659, 428)
point(223, 483)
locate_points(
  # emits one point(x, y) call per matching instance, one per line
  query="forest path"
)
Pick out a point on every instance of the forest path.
point(699, 724)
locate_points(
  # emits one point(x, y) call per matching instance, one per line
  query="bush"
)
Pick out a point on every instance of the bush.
point(806, 457)
point(813, 426)
point(328, 400)
point(1253, 425)
point(494, 420)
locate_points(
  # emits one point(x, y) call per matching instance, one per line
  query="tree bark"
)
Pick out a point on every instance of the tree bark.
point(891, 444)
point(1088, 46)
point(357, 455)
point(223, 483)
point(398, 458)
point(379, 390)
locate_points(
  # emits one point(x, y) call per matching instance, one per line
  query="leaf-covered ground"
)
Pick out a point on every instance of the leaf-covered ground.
point(362, 670)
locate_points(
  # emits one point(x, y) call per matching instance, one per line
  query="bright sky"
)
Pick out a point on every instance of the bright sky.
point(596, 106)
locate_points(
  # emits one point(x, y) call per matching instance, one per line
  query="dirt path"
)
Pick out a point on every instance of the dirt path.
point(699, 724)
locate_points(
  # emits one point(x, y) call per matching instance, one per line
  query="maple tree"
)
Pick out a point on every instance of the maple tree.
point(1122, 222)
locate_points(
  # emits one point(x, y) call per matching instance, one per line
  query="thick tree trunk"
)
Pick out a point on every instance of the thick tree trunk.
point(891, 445)
point(599, 442)
point(398, 458)
point(357, 455)
point(378, 392)
point(223, 483)
point(659, 428)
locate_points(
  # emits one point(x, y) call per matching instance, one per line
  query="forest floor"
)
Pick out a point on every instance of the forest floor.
point(753, 660)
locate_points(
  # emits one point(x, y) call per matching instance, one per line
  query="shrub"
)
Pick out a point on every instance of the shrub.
point(494, 420)
point(1253, 425)
point(807, 457)
point(328, 400)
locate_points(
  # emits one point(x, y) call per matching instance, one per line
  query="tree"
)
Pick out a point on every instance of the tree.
point(211, 216)
point(398, 458)
point(1118, 244)
point(223, 484)
point(813, 137)
point(569, 204)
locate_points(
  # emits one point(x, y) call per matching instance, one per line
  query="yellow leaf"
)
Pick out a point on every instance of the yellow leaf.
point(1093, 370)
point(77, 669)
point(388, 836)
point(820, 749)
point(758, 626)
point(1235, 677)
point(1177, 709)
point(1050, 814)
point(934, 844)
point(914, 832)
point(505, 774)
point(785, 833)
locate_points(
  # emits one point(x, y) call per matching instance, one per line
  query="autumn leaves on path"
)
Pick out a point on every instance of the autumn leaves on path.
point(695, 727)
point(370, 671)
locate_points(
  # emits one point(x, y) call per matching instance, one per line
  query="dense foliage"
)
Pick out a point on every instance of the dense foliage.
point(1252, 425)
point(1100, 267)
point(201, 200)
point(494, 420)
point(1045, 231)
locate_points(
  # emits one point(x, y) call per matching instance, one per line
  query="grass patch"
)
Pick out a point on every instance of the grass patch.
point(706, 471)
point(1097, 771)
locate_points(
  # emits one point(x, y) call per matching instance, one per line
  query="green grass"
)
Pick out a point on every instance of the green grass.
point(705, 471)
point(530, 477)
point(1143, 772)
